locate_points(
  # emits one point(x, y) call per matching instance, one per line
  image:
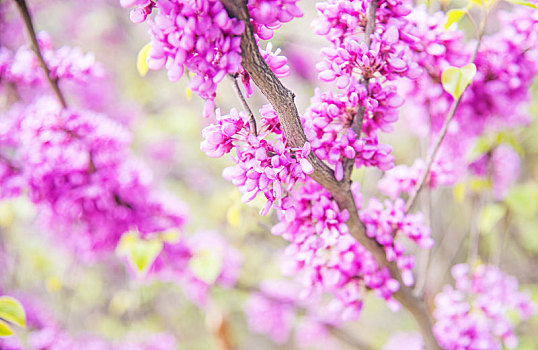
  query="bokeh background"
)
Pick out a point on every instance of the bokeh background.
point(104, 299)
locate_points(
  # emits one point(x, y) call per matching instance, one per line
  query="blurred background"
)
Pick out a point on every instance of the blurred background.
point(103, 299)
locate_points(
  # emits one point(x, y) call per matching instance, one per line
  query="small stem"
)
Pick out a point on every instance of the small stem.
point(246, 107)
point(25, 13)
point(444, 129)
point(356, 124)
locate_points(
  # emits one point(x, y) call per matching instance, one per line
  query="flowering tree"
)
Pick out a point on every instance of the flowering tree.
point(66, 145)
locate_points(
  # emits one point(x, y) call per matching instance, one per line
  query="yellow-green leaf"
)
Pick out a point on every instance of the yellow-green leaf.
point(142, 60)
point(454, 16)
point(523, 199)
point(491, 214)
point(523, 3)
point(12, 311)
point(5, 330)
point(140, 253)
point(455, 80)
point(206, 265)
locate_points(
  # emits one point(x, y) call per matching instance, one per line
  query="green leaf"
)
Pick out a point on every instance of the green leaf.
point(142, 60)
point(523, 199)
point(12, 311)
point(5, 330)
point(491, 214)
point(140, 253)
point(206, 265)
point(455, 80)
point(454, 16)
point(524, 3)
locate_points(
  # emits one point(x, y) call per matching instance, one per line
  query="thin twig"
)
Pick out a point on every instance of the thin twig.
point(282, 100)
point(356, 123)
point(23, 8)
point(246, 107)
point(453, 108)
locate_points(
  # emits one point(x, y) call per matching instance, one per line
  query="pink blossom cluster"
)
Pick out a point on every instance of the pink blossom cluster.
point(22, 67)
point(496, 100)
point(268, 15)
point(325, 256)
point(364, 73)
point(263, 164)
point(277, 311)
point(477, 313)
point(386, 221)
point(44, 332)
point(76, 165)
point(403, 179)
point(172, 264)
point(326, 124)
point(502, 165)
point(200, 37)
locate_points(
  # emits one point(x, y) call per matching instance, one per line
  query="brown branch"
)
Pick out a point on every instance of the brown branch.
point(282, 101)
point(356, 124)
point(246, 107)
point(53, 82)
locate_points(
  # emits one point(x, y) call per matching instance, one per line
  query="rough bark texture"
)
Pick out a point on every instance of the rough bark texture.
point(282, 100)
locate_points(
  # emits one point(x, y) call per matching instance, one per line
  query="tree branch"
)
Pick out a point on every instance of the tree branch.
point(282, 101)
point(25, 13)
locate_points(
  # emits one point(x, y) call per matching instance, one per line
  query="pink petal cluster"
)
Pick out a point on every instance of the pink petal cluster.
point(22, 67)
point(403, 178)
point(76, 165)
point(200, 37)
point(386, 221)
point(272, 311)
point(276, 310)
point(496, 100)
point(502, 165)
point(476, 314)
point(269, 15)
point(326, 257)
point(326, 124)
point(262, 165)
point(172, 264)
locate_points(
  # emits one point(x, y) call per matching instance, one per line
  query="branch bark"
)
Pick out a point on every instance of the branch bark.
point(25, 13)
point(282, 100)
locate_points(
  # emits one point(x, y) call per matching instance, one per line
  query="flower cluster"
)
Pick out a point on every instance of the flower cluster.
point(324, 254)
point(22, 67)
point(76, 165)
point(326, 125)
point(502, 165)
point(268, 15)
point(174, 263)
point(262, 165)
point(276, 310)
point(200, 37)
point(403, 179)
point(506, 67)
point(364, 73)
point(384, 222)
point(476, 313)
